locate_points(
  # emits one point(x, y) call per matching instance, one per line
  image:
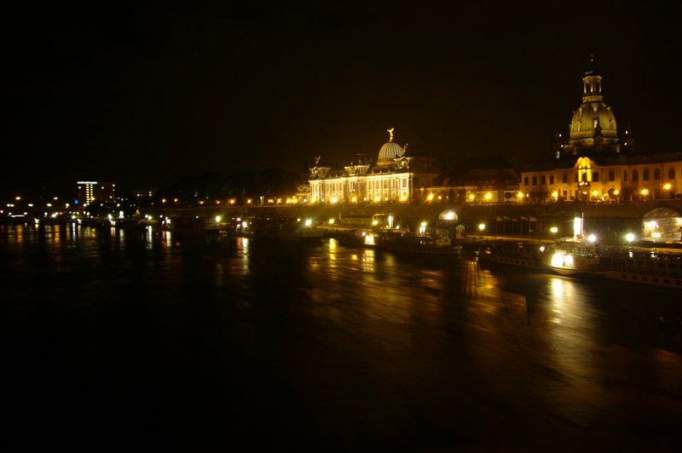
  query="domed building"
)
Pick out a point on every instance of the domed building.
point(593, 125)
point(592, 166)
point(394, 177)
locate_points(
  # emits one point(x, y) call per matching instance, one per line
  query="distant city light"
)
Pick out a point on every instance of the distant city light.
point(449, 215)
point(592, 238)
point(481, 226)
point(308, 222)
point(577, 226)
point(554, 229)
point(218, 218)
point(630, 237)
point(488, 196)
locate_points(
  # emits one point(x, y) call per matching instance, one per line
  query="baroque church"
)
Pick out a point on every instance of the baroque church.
point(594, 164)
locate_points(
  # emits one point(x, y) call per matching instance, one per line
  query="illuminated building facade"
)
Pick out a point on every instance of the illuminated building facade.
point(396, 177)
point(593, 165)
point(90, 191)
point(477, 186)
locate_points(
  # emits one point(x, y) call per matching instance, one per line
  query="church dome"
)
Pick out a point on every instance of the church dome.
point(591, 116)
point(593, 123)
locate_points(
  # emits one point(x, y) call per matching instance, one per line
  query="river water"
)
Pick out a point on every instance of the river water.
point(120, 339)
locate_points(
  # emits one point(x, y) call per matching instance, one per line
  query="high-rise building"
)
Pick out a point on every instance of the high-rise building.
point(90, 191)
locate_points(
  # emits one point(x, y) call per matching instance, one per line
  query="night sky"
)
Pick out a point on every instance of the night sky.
point(144, 95)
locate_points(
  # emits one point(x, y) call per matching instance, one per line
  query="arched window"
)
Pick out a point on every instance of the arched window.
point(635, 175)
point(645, 174)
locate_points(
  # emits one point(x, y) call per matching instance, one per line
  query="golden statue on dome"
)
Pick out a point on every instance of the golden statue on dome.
point(390, 134)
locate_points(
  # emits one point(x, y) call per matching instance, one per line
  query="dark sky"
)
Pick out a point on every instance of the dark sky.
point(146, 94)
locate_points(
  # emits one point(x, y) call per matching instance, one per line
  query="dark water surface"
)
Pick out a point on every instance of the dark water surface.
point(121, 340)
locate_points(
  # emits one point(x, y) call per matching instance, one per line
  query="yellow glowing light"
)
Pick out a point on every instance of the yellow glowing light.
point(232, 201)
point(403, 198)
point(488, 196)
point(249, 201)
point(630, 237)
point(279, 201)
point(333, 200)
point(667, 186)
point(616, 192)
point(563, 260)
point(354, 199)
point(554, 229)
point(449, 215)
point(519, 195)
point(308, 222)
point(270, 200)
point(331, 221)
point(422, 227)
point(389, 221)
point(656, 235)
point(369, 239)
point(481, 226)
point(18, 198)
point(201, 202)
point(430, 197)
point(595, 193)
point(377, 199)
point(592, 238)
point(471, 197)
point(30, 205)
point(245, 225)
point(218, 218)
point(163, 200)
point(375, 222)
point(644, 192)
point(49, 205)
point(217, 202)
point(555, 195)
point(175, 200)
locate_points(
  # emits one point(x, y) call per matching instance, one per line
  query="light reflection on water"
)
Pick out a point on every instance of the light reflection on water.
point(444, 334)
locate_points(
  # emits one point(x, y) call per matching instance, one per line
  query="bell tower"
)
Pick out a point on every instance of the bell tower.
point(592, 83)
